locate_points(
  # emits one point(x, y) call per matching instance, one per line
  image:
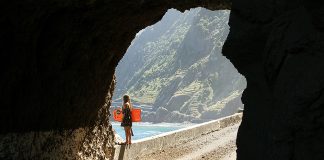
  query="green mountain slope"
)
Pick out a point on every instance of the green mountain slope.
point(177, 67)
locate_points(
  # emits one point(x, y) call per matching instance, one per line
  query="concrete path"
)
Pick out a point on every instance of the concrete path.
point(218, 145)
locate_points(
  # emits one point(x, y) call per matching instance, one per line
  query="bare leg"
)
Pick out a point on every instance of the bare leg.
point(125, 128)
point(130, 135)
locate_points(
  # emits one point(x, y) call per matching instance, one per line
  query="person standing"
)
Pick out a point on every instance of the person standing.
point(127, 118)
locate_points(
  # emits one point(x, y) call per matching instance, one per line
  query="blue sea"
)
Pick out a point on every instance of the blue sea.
point(146, 129)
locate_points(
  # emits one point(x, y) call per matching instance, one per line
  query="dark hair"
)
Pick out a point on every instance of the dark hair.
point(126, 98)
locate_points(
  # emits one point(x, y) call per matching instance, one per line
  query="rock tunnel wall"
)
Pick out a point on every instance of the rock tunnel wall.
point(58, 60)
point(278, 46)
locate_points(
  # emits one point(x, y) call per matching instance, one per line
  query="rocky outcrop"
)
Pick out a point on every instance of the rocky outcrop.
point(58, 59)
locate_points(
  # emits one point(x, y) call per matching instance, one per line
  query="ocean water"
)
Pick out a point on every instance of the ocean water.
point(145, 129)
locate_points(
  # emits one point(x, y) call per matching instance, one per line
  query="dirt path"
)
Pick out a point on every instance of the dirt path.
point(218, 145)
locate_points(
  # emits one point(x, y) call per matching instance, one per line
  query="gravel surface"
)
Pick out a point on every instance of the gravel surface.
point(218, 145)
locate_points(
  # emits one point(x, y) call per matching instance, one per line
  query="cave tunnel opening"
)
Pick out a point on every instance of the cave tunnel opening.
point(58, 61)
point(175, 72)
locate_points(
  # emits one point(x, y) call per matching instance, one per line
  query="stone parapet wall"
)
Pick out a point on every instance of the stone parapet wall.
point(162, 141)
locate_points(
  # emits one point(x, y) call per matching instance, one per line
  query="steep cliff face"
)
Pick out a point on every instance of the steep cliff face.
point(58, 60)
point(176, 66)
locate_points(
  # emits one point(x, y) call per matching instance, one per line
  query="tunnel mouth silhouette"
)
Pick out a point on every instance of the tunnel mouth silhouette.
point(58, 61)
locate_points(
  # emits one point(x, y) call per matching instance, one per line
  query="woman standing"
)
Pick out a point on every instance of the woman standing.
point(127, 118)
